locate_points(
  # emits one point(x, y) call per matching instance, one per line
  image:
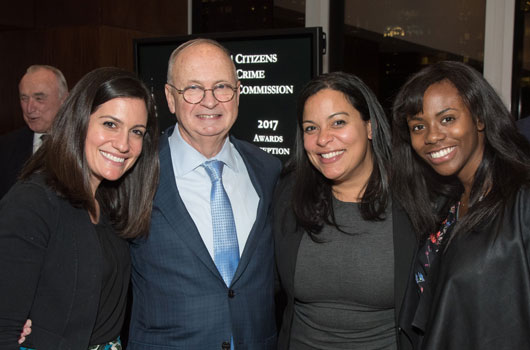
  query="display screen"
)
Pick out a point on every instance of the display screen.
point(272, 67)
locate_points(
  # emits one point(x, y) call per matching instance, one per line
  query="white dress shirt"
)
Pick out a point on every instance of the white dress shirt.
point(194, 186)
point(37, 141)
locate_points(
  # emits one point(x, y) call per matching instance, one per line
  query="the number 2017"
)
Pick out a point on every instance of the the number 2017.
point(267, 124)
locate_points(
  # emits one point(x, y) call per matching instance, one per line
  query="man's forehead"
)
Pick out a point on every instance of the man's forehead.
point(40, 81)
point(202, 49)
point(203, 62)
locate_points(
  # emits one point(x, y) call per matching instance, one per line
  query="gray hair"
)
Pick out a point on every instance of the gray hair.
point(63, 86)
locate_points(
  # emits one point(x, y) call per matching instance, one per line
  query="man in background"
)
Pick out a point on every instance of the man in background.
point(42, 91)
point(204, 278)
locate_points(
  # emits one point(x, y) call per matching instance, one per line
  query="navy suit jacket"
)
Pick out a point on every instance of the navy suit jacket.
point(16, 148)
point(179, 298)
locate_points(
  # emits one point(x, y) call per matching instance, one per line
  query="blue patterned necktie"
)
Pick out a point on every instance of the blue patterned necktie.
point(225, 246)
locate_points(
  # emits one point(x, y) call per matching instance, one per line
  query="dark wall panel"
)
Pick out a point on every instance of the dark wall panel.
point(76, 37)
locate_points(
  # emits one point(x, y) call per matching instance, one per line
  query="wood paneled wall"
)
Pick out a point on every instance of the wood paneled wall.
point(75, 36)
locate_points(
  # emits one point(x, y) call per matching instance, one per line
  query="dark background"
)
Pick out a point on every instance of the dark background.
point(77, 36)
point(298, 52)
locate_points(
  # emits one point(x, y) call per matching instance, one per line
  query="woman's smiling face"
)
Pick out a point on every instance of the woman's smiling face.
point(445, 134)
point(336, 138)
point(114, 138)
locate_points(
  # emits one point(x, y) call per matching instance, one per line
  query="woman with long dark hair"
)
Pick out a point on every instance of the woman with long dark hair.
point(461, 171)
point(64, 260)
point(339, 244)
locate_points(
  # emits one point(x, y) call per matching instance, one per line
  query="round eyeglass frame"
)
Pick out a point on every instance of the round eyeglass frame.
point(183, 91)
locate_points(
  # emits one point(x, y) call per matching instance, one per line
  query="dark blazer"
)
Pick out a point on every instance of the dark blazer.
point(287, 241)
point(15, 149)
point(481, 296)
point(50, 269)
point(179, 298)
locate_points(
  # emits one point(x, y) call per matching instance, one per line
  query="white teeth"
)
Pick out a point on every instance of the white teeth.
point(113, 158)
point(208, 116)
point(331, 154)
point(442, 152)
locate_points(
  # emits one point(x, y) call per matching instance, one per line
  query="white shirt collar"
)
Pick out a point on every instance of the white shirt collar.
point(187, 159)
point(37, 141)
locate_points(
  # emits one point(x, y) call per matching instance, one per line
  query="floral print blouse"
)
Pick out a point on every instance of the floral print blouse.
point(425, 267)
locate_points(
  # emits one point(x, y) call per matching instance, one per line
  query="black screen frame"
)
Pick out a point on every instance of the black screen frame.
point(314, 36)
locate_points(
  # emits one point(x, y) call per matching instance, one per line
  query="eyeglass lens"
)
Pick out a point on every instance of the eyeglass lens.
point(222, 93)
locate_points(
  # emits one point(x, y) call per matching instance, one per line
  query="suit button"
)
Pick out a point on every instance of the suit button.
point(231, 293)
point(225, 345)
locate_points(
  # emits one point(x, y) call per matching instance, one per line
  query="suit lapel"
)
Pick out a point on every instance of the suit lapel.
point(170, 204)
point(255, 171)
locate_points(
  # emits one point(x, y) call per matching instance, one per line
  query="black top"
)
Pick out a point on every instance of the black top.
point(481, 294)
point(425, 270)
point(51, 269)
point(116, 271)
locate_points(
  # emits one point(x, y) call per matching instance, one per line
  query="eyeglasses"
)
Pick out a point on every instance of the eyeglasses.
point(195, 94)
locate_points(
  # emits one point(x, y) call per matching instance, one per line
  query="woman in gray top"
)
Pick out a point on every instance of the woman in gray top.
point(336, 234)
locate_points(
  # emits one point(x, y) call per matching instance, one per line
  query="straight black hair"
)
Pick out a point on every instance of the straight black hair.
point(505, 165)
point(312, 193)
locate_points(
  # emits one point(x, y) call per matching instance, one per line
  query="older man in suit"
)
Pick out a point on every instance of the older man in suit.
point(204, 278)
point(42, 91)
